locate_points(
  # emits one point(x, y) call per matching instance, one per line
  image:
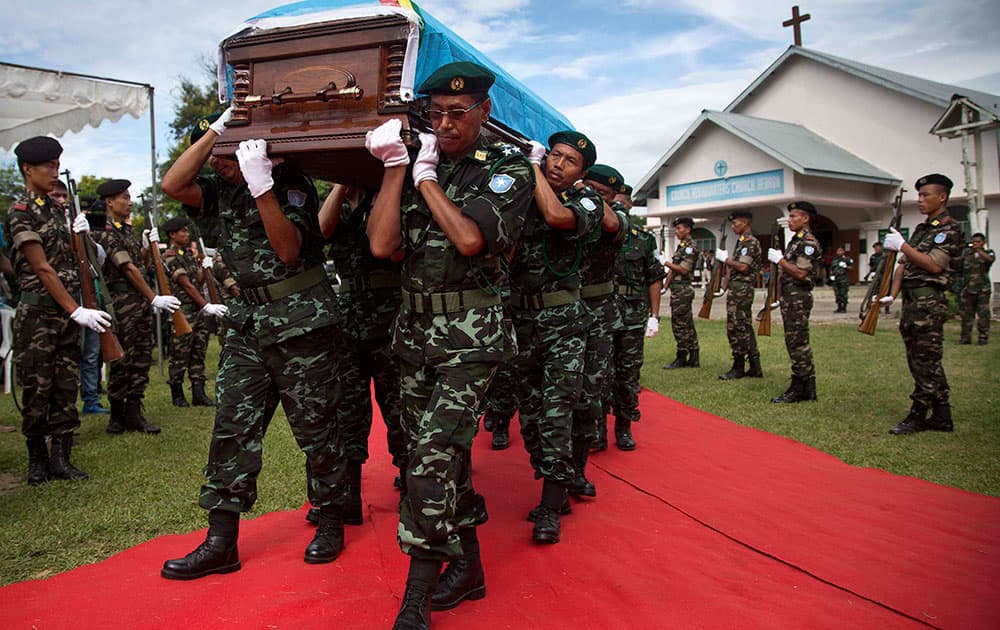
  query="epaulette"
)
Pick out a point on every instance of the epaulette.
point(20, 206)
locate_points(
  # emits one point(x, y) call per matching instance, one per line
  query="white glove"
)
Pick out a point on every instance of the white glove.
point(425, 166)
point(652, 326)
point(219, 126)
point(80, 225)
point(91, 318)
point(206, 263)
point(386, 145)
point(166, 303)
point(832, 278)
point(101, 254)
point(721, 255)
point(775, 305)
point(843, 265)
point(894, 240)
point(215, 310)
point(537, 153)
point(886, 301)
point(256, 167)
point(774, 255)
point(719, 293)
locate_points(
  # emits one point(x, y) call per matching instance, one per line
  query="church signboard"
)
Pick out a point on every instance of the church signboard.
point(738, 187)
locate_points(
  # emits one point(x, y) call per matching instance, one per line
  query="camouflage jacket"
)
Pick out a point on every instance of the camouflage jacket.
point(491, 185)
point(747, 250)
point(805, 252)
point(598, 267)
point(976, 270)
point(223, 277)
point(121, 246)
point(940, 238)
point(254, 263)
point(840, 267)
point(687, 256)
point(36, 218)
point(636, 269)
point(180, 261)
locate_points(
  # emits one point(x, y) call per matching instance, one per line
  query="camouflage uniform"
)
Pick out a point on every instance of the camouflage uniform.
point(46, 349)
point(975, 298)
point(227, 283)
point(281, 345)
point(840, 279)
point(451, 334)
point(501, 397)
point(552, 325)
point(803, 251)
point(187, 352)
point(687, 255)
point(739, 299)
point(369, 302)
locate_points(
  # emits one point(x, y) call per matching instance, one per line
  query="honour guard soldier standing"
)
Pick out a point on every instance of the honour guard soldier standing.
point(743, 268)
point(454, 213)
point(932, 255)
point(840, 268)
point(686, 257)
point(975, 298)
point(796, 268)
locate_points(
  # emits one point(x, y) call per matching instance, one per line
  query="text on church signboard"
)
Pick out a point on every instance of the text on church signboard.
point(751, 185)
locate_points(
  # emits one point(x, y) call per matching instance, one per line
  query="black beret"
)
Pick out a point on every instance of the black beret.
point(803, 206)
point(934, 178)
point(625, 189)
point(606, 175)
point(459, 77)
point(38, 149)
point(201, 126)
point(112, 187)
point(174, 224)
point(740, 214)
point(579, 142)
point(688, 221)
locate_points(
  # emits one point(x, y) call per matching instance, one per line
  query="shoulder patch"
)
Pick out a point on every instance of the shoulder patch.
point(501, 183)
point(688, 250)
point(20, 206)
point(940, 237)
point(809, 250)
point(743, 252)
point(296, 198)
point(588, 204)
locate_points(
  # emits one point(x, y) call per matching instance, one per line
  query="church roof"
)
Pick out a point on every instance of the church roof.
point(795, 146)
point(930, 91)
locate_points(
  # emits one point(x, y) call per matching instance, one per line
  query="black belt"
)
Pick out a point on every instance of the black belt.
point(538, 301)
point(282, 289)
point(38, 299)
point(449, 302)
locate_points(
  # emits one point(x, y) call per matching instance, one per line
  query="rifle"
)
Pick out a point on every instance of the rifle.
point(111, 348)
point(764, 316)
point(181, 325)
point(213, 289)
point(881, 283)
point(713, 283)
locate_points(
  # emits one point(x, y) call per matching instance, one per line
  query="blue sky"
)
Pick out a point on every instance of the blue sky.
point(632, 74)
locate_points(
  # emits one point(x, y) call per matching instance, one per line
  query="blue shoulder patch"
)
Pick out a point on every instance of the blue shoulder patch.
point(296, 198)
point(501, 183)
point(939, 238)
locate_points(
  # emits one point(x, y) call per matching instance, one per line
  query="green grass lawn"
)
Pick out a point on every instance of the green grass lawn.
point(145, 486)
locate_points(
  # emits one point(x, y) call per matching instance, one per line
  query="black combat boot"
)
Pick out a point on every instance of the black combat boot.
point(217, 554)
point(737, 371)
point(914, 422)
point(354, 508)
point(791, 395)
point(134, 420)
point(59, 465)
point(581, 486)
point(754, 370)
point(547, 516)
point(809, 388)
point(421, 582)
point(463, 577)
point(693, 359)
point(602, 434)
point(177, 393)
point(623, 435)
point(982, 341)
point(198, 396)
point(564, 509)
point(489, 421)
point(116, 421)
point(501, 434)
point(679, 361)
point(38, 460)
point(328, 541)
point(940, 419)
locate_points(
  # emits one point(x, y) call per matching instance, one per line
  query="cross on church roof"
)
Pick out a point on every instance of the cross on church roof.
point(795, 23)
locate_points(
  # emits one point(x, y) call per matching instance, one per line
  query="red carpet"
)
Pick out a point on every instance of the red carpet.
point(708, 524)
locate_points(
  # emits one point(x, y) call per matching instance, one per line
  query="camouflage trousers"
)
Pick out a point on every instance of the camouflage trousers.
point(795, 309)
point(301, 372)
point(549, 370)
point(627, 360)
point(975, 304)
point(129, 376)
point(363, 362)
point(921, 324)
point(46, 352)
point(840, 290)
point(597, 371)
point(501, 397)
point(681, 318)
point(446, 365)
point(739, 319)
point(187, 352)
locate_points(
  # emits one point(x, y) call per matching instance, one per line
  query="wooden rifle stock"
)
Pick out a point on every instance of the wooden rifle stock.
point(181, 325)
point(764, 327)
point(716, 279)
point(213, 288)
point(882, 278)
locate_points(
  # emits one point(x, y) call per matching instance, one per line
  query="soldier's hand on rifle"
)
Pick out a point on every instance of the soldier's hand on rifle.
point(255, 166)
point(774, 255)
point(386, 145)
point(166, 303)
point(215, 310)
point(91, 318)
point(894, 240)
point(219, 126)
point(206, 263)
point(832, 278)
point(886, 301)
point(425, 166)
point(721, 255)
point(652, 326)
point(719, 293)
point(775, 305)
point(150, 236)
point(537, 153)
point(80, 224)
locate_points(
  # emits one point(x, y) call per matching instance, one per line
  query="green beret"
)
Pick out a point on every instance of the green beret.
point(803, 206)
point(174, 224)
point(460, 77)
point(38, 149)
point(112, 187)
point(934, 178)
point(201, 126)
point(579, 142)
point(625, 189)
point(740, 214)
point(604, 174)
point(688, 221)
